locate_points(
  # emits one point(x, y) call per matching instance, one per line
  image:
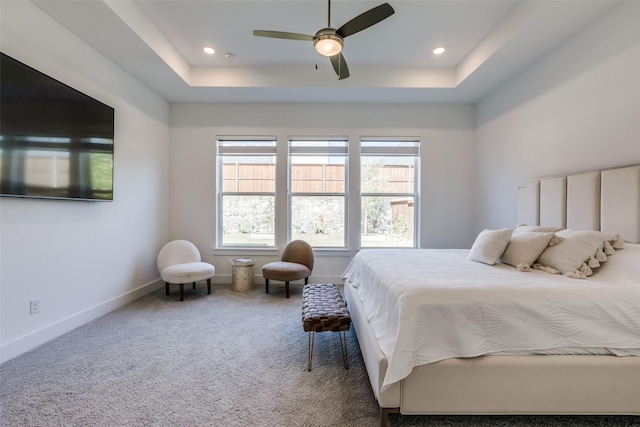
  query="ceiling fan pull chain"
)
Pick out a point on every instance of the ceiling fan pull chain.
point(329, 15)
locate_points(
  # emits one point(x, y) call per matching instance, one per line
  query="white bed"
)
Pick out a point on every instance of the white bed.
point(445, 335)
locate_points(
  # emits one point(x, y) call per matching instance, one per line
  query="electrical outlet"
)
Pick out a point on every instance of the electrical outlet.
point(34, 306)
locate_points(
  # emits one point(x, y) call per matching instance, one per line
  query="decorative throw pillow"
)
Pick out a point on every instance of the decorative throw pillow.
point(579, 253)
point(489, 245)
point(525, 247)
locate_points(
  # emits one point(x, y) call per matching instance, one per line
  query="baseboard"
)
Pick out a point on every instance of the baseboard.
point(36, 338)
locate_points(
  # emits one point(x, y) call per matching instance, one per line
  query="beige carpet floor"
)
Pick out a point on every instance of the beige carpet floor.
point(225, 359)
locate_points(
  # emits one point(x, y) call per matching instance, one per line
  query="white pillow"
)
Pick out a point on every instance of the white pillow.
point(578, 250)
point(525, 247)
point(489, 245)
point(624, 267)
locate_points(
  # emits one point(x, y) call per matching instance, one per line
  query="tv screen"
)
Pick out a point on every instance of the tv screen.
point(55, 142)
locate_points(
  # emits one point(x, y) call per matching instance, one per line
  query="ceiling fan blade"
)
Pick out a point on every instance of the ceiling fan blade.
point(340, 65)
point(281, 35)
point(365, 20)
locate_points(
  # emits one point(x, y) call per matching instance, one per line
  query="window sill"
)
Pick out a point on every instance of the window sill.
point(244, 252)
point(252, 251)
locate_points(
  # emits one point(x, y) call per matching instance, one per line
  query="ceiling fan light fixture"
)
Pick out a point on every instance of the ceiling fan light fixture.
point(327, 42)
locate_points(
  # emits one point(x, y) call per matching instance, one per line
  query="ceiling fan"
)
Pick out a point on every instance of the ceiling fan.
point(329, 41)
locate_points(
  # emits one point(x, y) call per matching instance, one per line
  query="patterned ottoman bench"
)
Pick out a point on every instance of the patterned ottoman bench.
point(323, 309)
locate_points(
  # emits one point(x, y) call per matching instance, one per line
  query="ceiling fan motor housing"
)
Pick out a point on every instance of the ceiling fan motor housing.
point(327, 42)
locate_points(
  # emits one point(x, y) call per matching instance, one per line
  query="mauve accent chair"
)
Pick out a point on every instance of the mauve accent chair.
point(296, 263)
point(179, 262)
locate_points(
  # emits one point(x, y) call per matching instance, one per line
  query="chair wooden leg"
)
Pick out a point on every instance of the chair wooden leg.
point(208, 286)
point(306, 280)
point(286, 288)
point(166, 288)
point(181, 291)
point(266, 285)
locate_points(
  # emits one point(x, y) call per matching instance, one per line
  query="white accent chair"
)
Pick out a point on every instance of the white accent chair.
point(179, 262)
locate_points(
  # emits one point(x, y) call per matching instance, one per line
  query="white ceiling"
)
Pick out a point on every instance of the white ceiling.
point(160, 43)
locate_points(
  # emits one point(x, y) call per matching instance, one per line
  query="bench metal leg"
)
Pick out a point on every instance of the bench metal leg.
point(343, 346)
point(312, 339)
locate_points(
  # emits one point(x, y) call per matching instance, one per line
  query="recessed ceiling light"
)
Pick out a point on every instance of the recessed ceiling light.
point(209, 50)
point(438, 51)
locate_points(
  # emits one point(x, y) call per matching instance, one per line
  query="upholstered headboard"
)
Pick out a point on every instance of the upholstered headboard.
point(605, 200)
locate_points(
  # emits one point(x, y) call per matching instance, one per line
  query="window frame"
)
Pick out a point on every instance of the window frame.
point(392, 151)
point(336, 150)
point(240, 151)
point(354, 149)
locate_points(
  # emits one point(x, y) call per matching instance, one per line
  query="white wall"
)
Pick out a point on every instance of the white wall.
point(82, 259)
point(577, 109)
point(446, 132)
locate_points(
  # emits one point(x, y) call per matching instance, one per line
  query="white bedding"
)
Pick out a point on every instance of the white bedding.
point(427, 305)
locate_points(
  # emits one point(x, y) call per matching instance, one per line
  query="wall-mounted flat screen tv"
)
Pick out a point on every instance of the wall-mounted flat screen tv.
point(55, 142)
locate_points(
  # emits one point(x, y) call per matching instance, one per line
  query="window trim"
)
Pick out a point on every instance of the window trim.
point(392, 151)
point(342, 151)
point(239, 151)
point(354, 150)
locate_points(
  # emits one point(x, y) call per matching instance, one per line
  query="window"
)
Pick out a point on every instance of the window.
point(388, 177)
point(246, 192)
point(317, 188)
point(270, 192)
